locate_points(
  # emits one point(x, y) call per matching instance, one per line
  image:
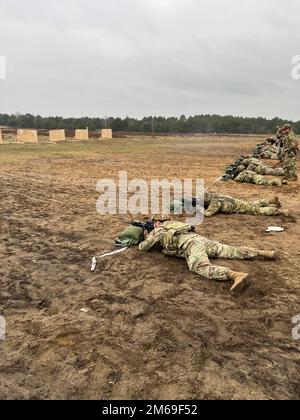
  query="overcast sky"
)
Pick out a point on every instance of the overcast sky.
point(150, 57)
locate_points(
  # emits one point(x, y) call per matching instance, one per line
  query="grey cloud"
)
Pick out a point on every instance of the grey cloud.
point(141, 57)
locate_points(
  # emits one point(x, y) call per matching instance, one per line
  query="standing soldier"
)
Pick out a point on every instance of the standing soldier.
point(179, 240)
point(290, 150)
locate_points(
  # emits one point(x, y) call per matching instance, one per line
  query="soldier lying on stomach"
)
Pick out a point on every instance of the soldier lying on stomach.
point(179, 240)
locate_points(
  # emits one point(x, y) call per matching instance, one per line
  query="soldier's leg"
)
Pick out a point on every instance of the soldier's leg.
point(274, 183)
point(270, 211)
point(198, 262)
point(286, 167)
point(216, 249)
point(273, 171)
point(261, 203)
point(262, 180)
point(259, 180)
point(290, 168)
point(264, 208)
point(268, 203)
point(245, 207)
point(278, 172)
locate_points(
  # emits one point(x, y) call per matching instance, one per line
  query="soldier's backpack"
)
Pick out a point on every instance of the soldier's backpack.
point(131, 236)
point(174, 229)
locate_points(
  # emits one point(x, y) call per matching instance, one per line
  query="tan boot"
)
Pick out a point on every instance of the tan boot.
point(270, 255)
point(288, 177)
point(276, 201)
point(239, 280)
point(285, 212)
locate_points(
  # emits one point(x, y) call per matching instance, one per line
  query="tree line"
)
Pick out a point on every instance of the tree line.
point(193, 124)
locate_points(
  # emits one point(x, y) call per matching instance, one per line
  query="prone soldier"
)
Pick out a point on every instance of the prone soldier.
point(243, 175)
point(215, 203)
point(180, 240)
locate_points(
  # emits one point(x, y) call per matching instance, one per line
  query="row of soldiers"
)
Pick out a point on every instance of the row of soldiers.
point(284, 147)
point(270, 149)
point(251, 170)
point(180, 240)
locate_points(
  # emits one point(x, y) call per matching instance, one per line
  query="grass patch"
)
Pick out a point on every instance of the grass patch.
point(16, 152)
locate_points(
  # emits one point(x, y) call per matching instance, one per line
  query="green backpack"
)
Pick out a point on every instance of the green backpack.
point(131, 236)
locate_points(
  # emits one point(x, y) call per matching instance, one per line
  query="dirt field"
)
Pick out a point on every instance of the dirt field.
point(154, 330)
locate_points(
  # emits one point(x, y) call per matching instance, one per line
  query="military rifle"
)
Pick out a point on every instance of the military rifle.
point(149, 225)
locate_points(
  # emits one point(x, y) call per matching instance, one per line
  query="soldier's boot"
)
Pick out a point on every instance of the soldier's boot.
point(276, 202)
point(284, 182)
point(270, 255)
point(239, 280)
point(285, 212)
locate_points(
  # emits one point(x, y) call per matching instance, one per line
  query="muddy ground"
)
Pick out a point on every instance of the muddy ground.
point(153, 329)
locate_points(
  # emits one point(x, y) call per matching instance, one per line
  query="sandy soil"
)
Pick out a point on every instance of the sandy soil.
point(154, 330)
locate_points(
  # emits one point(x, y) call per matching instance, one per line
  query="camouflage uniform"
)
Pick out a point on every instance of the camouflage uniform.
point(290, 150)
point(255, 165)
point(267, 150)
point(252, 178)
point(216, 203)
point(197, 250)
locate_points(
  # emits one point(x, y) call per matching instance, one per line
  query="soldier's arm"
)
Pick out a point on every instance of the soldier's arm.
point(152, 239)
point(214, 208)
point(246, 162)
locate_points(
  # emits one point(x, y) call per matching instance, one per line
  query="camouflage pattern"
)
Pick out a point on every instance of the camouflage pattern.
point(216, 203)
point(267, 150)
point(271, 148)
point(290, 168)
point(253, 178)
point(198, 254)
point(232, 168)
point(260, 168)
point(290, 150)
point(161, 235)
point(252, 165)
point(197, 250)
